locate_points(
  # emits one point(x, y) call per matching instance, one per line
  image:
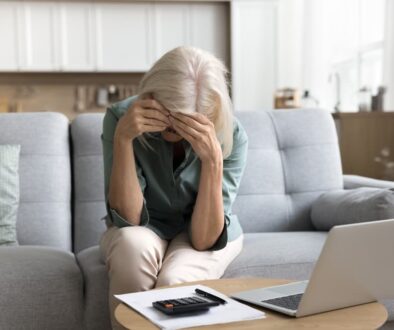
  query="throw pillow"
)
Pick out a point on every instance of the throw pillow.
point(341, 207)
point(9, 193)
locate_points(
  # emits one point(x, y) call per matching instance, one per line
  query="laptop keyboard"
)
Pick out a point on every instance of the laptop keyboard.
point(289, 302)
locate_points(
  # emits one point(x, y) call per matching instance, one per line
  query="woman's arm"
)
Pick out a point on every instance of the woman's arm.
point(124, 193)
point(207, 221)
point(208, 215)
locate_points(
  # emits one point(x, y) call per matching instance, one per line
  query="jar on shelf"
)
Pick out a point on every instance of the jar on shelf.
point(364, 99)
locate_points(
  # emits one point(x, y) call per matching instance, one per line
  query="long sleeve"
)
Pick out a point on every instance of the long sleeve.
point(233, 169)
point(109, 125)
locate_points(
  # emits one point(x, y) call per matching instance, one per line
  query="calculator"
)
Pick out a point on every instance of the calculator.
point(184, 305)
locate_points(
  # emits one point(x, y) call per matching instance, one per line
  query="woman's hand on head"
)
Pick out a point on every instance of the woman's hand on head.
point(199, 131)
point(142, 117)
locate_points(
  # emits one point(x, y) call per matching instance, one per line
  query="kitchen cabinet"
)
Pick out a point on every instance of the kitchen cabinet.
point(254, 53)
point(171, 26)
point(52, 36)
point(203, 25)
point(40, 37)
point(210, 28)
point(124, 36)
point(77, 37)
point(9, 32)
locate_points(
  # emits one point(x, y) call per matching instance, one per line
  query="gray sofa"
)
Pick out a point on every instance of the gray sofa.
point(55, 278)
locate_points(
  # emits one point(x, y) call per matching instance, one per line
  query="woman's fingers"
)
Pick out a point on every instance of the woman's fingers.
point(186, 135)
point(197, 117)
point(150, 108)
point(153, 122)
point(153, 128)
point(179, 125)
point(190, 122)
point(155, 114)
point(153, 104)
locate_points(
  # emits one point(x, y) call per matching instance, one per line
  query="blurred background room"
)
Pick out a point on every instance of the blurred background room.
point(80, 56)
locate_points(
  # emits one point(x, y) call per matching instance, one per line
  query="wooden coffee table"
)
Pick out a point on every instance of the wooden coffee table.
point(367, 316)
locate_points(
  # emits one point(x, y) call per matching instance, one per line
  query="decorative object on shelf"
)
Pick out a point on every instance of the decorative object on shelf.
point(378, 99)
point(102, 97)
point(308, 101)
point(80, 98)
point(364, 99)
point(4, 104)
point(384, 159)
point(113, 93)
point(337, 106)
point(287, 98)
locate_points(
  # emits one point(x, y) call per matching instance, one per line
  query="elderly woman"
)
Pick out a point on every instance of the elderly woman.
point(173, 160)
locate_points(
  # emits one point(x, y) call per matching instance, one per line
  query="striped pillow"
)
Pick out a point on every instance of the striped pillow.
point(9, 193)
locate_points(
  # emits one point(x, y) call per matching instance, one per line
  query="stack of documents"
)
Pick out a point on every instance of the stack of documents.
point(233, 311)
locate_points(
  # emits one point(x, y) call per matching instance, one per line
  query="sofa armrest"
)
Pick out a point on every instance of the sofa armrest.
point(356, 181)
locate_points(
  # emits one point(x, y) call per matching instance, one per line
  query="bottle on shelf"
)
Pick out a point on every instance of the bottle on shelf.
point(364, 99)
point(308, 101)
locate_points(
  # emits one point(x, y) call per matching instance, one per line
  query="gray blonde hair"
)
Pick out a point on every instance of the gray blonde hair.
point(187, 80)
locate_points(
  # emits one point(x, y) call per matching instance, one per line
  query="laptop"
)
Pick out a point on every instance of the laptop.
point(355, 266)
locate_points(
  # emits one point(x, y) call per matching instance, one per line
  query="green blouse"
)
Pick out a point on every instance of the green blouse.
point(169, 196)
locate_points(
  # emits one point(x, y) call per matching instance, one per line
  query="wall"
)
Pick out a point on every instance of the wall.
point(290, 46)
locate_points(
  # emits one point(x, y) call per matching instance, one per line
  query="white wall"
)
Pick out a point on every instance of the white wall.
point(315, 53)
point(267, 50)
point(290, 46)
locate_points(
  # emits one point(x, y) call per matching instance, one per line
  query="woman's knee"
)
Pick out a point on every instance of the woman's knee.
point(167, 278)
point(134, 254)
point(175, 275)
point(134, 240)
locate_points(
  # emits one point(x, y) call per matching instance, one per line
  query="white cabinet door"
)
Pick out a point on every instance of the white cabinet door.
point(40, 37)
point(124, 36)
point(77, 37)
point(9, 37)
point(171, 27)
point(254, 53)
point(202, 25)
point(209, 24)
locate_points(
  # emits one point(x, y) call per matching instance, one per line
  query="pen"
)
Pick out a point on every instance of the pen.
point(210, 296)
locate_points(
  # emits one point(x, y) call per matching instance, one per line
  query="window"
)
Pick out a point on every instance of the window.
point(347, 37)
point(358, 51)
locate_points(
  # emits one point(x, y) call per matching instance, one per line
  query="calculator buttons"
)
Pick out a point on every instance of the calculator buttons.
point(183, 305)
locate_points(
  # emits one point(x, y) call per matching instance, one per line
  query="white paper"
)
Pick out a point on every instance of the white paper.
point(233, 311)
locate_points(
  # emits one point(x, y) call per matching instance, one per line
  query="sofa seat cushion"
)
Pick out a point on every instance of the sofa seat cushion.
point(289, 255)
point(41, 287)
point(96, 289)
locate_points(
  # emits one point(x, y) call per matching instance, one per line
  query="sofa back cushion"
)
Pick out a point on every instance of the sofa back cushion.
point(88, 180)
point(293, 157)
point(9, 193)
point(44, 213)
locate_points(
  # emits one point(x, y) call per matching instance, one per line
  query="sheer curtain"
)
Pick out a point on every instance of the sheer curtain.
point(388, 67)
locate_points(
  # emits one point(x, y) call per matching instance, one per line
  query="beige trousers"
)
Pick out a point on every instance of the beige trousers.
point(137, 259)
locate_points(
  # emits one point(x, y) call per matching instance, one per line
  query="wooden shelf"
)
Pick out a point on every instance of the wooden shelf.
point(362, 136)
